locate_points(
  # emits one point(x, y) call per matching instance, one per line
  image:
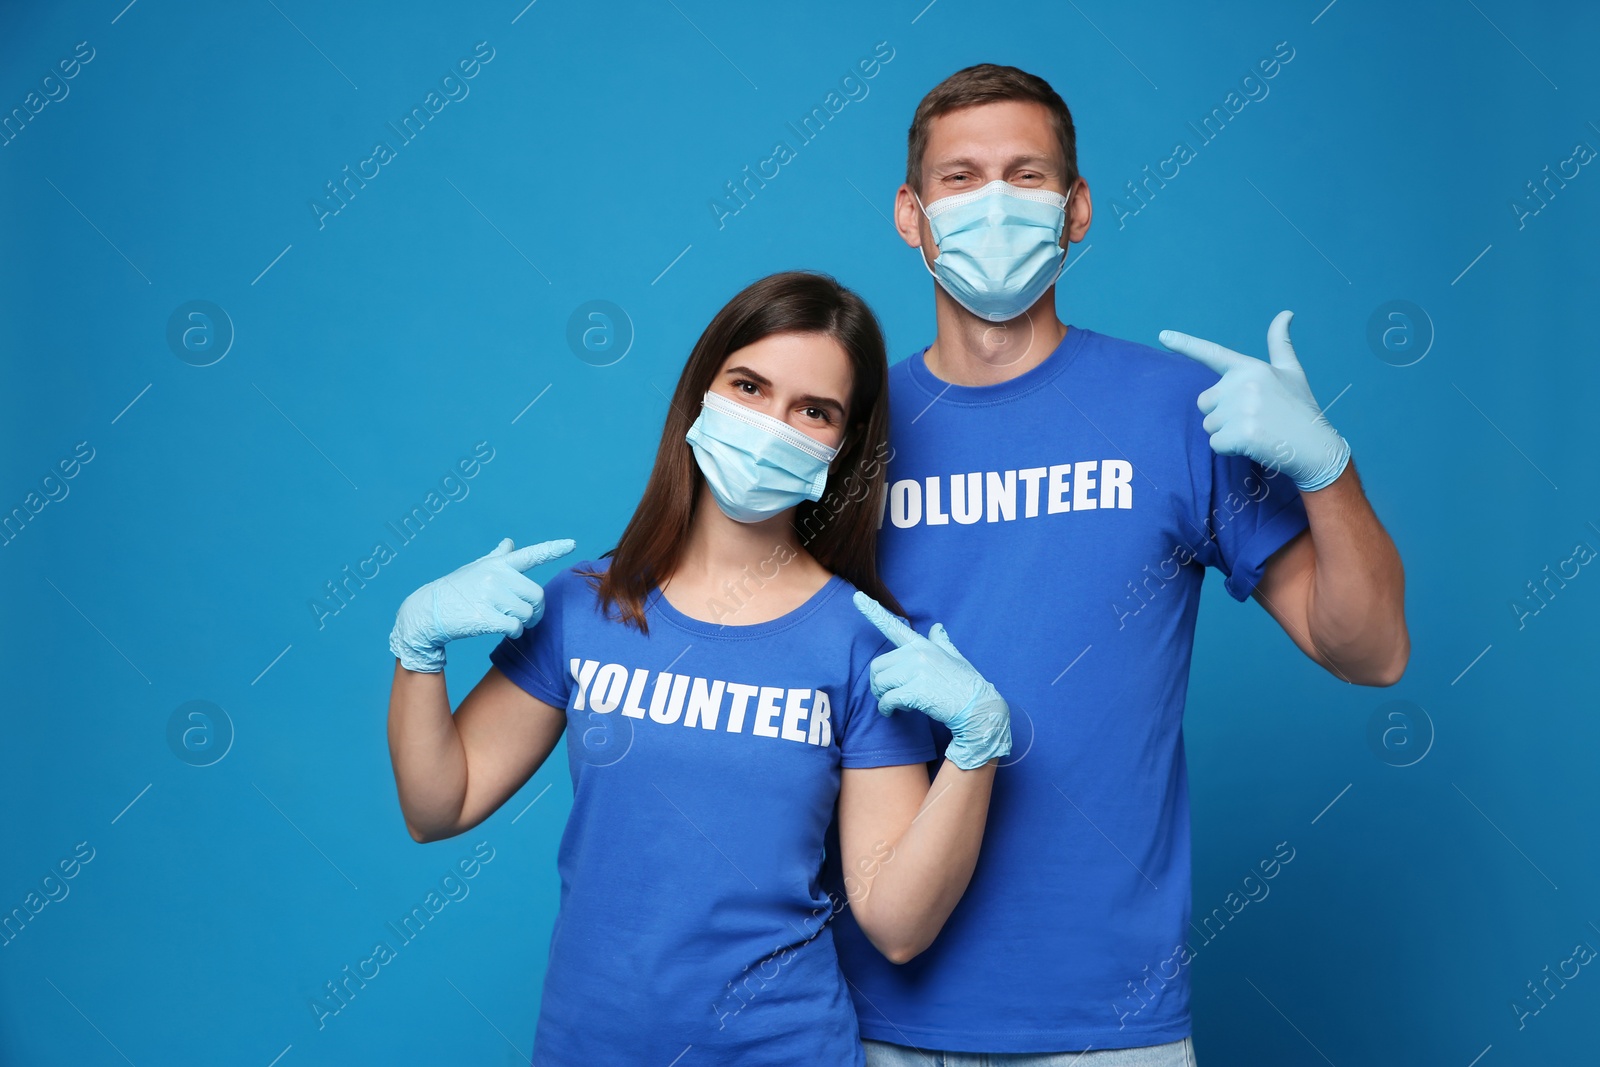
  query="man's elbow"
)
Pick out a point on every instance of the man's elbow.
point(1396, 668)
point(1391, 672)
point(1399, 656)
point(1389, 669)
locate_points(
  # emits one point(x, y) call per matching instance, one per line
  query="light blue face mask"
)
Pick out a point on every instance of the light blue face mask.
point(999, 247)
point(756, 465)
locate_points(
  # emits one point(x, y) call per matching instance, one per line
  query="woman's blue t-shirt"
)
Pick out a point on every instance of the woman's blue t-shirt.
point(705, 765)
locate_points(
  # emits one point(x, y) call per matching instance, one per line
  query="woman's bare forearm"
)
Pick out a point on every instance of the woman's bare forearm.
point(430, 761)
point(918, 878)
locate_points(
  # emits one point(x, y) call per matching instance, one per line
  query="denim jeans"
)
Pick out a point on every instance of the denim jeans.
point(1173, 1054)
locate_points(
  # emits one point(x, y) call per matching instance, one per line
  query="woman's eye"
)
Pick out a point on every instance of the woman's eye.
point(742, 383)
point(819, 413)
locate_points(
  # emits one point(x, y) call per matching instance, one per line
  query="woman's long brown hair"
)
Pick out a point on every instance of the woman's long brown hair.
point(840, 531)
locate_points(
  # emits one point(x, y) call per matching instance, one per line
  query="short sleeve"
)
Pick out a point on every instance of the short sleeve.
point(1250, 513)
point(535, 660)
point(870, 738)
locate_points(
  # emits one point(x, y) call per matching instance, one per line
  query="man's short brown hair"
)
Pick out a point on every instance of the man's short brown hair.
point(985, 84)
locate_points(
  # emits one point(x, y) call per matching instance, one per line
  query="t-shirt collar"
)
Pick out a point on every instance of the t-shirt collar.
point(1033, 378)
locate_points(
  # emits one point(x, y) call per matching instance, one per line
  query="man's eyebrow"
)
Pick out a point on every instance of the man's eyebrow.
point(972, 164)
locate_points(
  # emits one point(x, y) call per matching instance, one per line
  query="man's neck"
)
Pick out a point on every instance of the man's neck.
point(971, 351)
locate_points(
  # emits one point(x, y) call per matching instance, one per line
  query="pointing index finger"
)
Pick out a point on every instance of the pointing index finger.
point(531, 556)
point(1202, 351)
point(892, 628)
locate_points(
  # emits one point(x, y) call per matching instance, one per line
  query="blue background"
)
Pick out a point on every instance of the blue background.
point(372, 352)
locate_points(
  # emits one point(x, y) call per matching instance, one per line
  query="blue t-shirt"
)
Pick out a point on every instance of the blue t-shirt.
point(693, 926)
point(1059, 524)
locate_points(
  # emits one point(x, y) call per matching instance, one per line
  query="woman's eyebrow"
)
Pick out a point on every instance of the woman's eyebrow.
point(746, 372)
point(807, 398)
point(764, 381)
point(823, 402)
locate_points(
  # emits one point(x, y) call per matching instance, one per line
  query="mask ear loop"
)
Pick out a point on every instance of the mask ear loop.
point(839, 449)
point(1066, 218)
point(920, 256)
point(828, 471)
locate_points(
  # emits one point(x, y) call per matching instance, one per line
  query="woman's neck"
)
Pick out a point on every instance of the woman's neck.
point(741, 572)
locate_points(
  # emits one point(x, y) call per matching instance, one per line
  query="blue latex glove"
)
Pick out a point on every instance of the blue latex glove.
point(927, 674)
point(488, 595)
point(1265, 410)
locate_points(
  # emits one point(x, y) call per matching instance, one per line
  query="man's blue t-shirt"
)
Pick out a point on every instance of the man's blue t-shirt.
point(1059, 524)
point(705, 765)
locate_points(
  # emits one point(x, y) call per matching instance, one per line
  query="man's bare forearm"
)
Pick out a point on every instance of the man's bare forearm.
point(1355, 603)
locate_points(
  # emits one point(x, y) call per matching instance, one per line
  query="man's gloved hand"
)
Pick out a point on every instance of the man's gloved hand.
point(1265, 410)
point(488, 595)
point(927, 674)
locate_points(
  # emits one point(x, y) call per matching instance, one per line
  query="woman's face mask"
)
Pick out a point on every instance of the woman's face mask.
point(756, 465)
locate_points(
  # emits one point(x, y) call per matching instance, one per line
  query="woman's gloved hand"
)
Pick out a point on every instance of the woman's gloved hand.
point(927, 674)
point(488, 595)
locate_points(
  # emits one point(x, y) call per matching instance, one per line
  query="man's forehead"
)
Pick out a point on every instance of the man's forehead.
point(1004, 131)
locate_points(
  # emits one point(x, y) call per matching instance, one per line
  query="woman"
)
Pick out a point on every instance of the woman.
point(715, 685)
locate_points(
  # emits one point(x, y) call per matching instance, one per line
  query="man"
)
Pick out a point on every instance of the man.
point(1055, 496)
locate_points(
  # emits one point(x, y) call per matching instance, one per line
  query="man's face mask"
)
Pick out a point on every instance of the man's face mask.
point(999, 246)
point(756, 465)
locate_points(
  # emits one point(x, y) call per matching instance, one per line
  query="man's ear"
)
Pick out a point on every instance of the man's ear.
point(908, 217)
point(1080, 212)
